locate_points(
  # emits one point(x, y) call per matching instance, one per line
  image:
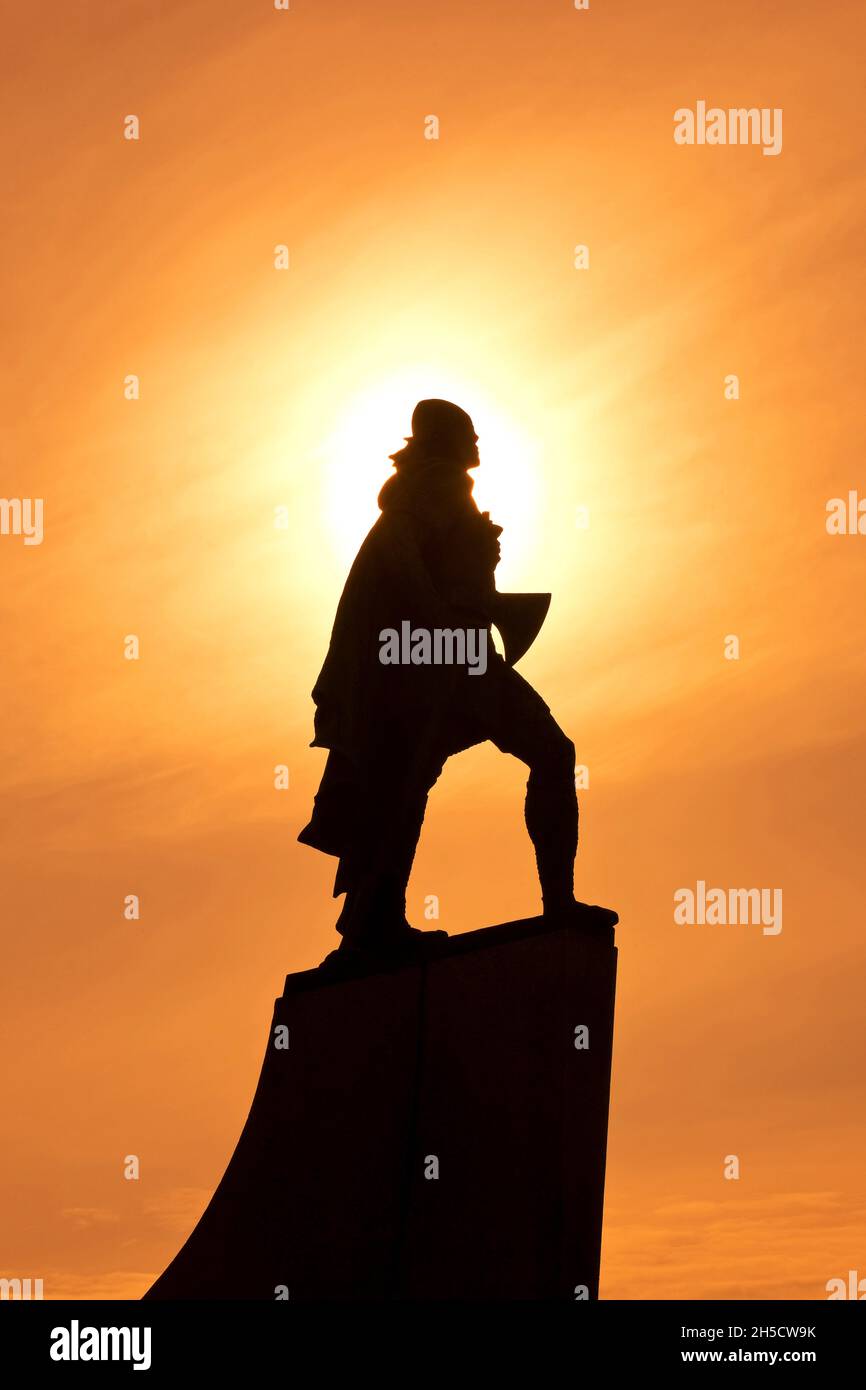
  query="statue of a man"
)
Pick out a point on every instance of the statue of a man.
point(389, 724)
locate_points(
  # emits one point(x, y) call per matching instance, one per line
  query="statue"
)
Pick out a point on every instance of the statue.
point(411, 677)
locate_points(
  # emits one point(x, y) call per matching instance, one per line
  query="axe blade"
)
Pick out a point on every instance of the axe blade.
point(519, 618)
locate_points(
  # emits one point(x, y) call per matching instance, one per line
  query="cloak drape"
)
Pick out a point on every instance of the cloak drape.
point(428, 559)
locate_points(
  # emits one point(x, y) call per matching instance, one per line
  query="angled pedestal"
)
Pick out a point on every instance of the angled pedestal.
point(431, 1132)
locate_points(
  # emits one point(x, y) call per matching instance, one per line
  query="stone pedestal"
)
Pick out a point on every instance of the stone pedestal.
point(431, 1131)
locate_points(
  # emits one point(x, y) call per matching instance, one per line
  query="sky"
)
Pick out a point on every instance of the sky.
point(214, 517)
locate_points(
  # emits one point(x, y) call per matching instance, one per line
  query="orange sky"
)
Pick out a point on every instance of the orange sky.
point(416, 262)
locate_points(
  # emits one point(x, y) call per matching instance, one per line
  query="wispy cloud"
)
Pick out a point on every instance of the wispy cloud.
point(784, 1245)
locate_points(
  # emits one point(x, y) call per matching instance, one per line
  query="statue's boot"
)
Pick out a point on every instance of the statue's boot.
point(554, 838)
point(572, 911)
point(373, 919)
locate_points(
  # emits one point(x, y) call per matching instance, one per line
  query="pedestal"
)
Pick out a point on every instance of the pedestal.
point(434, 1131)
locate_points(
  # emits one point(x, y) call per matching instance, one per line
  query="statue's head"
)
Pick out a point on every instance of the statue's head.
point(441, 429)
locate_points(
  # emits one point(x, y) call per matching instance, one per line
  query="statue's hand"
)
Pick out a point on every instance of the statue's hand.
point(490, 547)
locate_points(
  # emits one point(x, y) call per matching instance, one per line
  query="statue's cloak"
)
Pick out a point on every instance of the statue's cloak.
point(427, 555)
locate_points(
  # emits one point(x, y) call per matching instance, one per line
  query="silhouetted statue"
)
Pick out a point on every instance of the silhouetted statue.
point(411, 677)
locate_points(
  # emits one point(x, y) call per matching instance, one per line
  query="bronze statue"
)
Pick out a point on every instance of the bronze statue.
point(411, 676)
